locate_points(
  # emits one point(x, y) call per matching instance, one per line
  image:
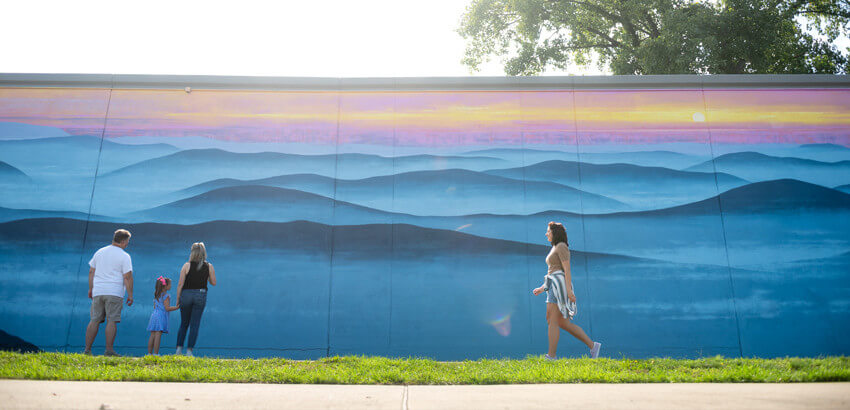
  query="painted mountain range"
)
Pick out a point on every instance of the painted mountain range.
point(700, 222)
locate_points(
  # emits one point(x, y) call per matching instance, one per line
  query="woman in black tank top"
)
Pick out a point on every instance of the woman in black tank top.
point(192, 294)
point(197, 275)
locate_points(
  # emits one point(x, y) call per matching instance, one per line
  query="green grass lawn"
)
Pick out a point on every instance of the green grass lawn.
point(379, 370)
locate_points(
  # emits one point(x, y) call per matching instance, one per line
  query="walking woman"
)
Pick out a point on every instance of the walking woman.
point(560, 298)
point(192, 294)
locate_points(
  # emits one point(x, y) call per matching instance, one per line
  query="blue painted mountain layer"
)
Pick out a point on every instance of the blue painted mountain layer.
point(766, 220)
point(754, 166)
point(259, 203)
point(690, 232)
point(823, 152)
point(63, 170)
point(76, 155)
point(191, 167)
point(11, 175)
point(640, 187)
point(9, 214)
point(446, 192)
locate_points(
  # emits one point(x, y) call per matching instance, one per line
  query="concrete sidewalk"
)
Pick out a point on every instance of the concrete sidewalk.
point(20, 394)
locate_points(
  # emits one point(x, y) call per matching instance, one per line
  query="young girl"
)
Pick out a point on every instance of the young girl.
point(159, 318)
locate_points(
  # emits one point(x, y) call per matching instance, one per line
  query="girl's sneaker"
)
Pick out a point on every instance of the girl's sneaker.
point(547, 357)
point(594, 352)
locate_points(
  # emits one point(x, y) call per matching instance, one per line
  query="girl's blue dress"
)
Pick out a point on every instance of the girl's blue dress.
point(159, 317)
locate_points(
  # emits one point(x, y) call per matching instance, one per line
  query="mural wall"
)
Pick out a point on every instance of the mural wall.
point(701, 222)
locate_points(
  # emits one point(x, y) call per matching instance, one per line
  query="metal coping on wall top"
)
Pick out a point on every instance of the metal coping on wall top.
point(193, 82)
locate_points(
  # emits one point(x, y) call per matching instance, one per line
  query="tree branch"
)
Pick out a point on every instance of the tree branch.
point(821, 13)
point(605, 36)
point(652, 24)
point(628, 25)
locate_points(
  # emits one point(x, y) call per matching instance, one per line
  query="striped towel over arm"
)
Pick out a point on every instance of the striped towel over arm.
point(558, 282)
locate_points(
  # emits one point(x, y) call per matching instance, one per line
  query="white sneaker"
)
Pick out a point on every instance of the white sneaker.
point(179, 351)
point(594, 352)
point(547, 357)
point(189, 352)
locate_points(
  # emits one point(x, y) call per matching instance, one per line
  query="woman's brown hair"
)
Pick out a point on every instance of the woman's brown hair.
point(559, 233)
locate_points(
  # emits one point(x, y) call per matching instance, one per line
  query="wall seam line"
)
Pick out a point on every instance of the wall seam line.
point(583, 226)
point(527, 258)
point(722, 224)
point(88, 218)
point(392, 231)
point(333, 227)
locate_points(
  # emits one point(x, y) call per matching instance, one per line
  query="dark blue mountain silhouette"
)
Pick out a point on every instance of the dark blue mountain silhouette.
point(515, 151)
point(461, 192)
point(825, 147)
point(567, 172)
point(10, 174)
point(760, 197)
point(259, 203)
point(317, 184)
point(368, 241)
point(192, 167)
point(755, 166)
point(13, 343)
point(659, 158)
point(445, 192)
point(641, 187)
point(9, 214)
point(763, 198)
point(667, 159)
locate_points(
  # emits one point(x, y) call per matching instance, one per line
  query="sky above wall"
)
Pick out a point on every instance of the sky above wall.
point(334, 38)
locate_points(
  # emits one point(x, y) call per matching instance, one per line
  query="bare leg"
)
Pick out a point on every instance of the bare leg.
point(91, 333)
point(111, 331)
point(552, 314)
point(150, 344)
point(575, 330)
point(156, 338)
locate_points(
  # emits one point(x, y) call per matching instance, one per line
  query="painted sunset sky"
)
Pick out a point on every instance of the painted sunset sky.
point(459, 118)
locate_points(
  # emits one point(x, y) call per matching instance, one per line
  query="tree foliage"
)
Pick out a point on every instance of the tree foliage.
point(658, 36)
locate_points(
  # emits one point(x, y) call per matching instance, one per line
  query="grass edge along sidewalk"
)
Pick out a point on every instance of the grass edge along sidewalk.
point(381, 370)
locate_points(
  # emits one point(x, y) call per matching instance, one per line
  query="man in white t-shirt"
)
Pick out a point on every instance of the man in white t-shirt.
point(110, 273)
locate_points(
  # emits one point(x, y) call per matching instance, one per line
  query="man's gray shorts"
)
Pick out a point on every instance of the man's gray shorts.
point(106, 307)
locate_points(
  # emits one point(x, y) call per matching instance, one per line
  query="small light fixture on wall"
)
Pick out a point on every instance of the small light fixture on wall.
point(188, 89)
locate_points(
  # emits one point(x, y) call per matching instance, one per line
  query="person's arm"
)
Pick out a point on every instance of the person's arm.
point(542, 287)
point(91, 281)
point(167, 304)
point(183, 272)
point(128, 284)
point(564, 254)
point(212, 275)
